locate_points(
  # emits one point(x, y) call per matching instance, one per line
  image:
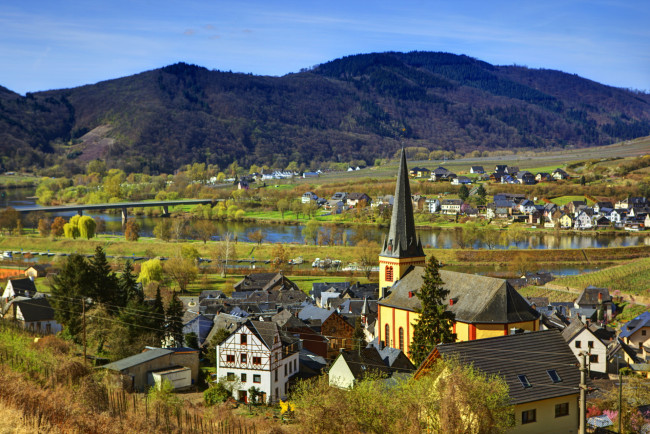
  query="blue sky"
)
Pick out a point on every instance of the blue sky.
point(47, 44)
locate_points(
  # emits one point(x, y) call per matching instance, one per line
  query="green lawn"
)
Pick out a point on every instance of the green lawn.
point(563, 200)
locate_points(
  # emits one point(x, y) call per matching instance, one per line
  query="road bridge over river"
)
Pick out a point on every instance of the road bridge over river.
point(165, 204)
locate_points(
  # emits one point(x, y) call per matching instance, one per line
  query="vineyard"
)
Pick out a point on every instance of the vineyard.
point(632, 278)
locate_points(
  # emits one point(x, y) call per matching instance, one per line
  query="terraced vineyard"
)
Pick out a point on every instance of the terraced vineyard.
point(631, 278)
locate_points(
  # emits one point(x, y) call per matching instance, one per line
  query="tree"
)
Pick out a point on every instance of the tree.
point(44, 227)
point(150, 271)
point(132, 230)
point(189, 252)
point(366, 253)
point(87, 227)
point(9, 218)
point(70, 230)
point(105, 287)
point(282, 205)
point(192, 340)
point(223, 252)
point(435, 323)
point(68, 288)
point(163, 230)
point(582, 180)
point(57, 228)
point(219, 336)
point(174, 322)
point(463, 192)
point(358, 337)
point(204, 229)
point(158, 316)
point(310, 231)
point(257, 236)
point(481, 193)
point(128, 283)
point(182, 271)
point(279, 256)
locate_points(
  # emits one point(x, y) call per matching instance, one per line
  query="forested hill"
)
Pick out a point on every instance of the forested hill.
point(358, 107)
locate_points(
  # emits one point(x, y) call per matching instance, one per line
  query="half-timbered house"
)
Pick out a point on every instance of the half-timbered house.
point(259, 354)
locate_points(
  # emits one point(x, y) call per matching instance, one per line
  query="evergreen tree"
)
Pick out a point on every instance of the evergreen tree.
point(105, 286)
point(68, 289)
point(435, 323)
point(359, 339)
point(174, 321)
point(463, 193)
point(158, 316)
point(481, 193)
point(129, 289)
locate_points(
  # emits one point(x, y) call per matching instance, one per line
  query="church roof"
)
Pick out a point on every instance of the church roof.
point(476, 299)
point(402, 241)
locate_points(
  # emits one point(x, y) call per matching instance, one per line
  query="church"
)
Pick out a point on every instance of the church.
point(484, 306)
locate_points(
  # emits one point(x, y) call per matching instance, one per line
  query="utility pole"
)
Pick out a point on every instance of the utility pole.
point(620, 395)
point(83, 312)
point(583, 393)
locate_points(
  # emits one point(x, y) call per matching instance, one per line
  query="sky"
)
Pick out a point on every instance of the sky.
point(47, 44)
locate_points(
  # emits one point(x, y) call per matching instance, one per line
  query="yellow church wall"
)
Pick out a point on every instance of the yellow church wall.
point(489, 330)
point(399, 268)
point(531, 326)
point(462, 331)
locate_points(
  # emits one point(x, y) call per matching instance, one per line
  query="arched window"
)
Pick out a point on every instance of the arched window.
point(401, 338)
point(387, 338)
point(389, 274)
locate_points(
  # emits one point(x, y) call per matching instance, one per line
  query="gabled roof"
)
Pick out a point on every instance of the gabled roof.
point(35, 309)
point(363, 362)
point(23, 285)
point(138, 359)
point(573, 330)
point(477, 299)
point(590, 296)
point(529, 354)
point(314, 313)
point(402, 241)
point(631, 327)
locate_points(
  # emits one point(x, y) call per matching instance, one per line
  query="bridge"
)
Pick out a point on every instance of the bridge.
point(165, 204)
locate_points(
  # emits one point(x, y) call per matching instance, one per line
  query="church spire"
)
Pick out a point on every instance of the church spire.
point(402, 242)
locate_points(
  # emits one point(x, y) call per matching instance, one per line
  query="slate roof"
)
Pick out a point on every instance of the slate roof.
point(589, 296)
point(630, 327)
point(477, 299)
point(573, 329)
point(529, 354)
point(363, 362)
point(137, 359)
point(314, 313)
point(402, 241)
point(393, 357)
point(22, 286)
point(265, 282)
point(35, 309)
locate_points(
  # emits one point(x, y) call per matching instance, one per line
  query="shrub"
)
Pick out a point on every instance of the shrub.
point(216, 394)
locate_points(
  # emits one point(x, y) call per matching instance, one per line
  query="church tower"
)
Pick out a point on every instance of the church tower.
point(401, 248)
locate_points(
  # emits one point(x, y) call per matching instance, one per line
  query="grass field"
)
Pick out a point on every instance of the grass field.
point(631, 278)
point(553, 295)
point(563, 200)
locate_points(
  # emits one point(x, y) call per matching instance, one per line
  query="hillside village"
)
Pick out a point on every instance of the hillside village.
point(268, 335)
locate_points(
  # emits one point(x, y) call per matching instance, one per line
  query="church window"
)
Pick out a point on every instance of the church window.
point(401, 338)
point(387, 335)
point(389, 274)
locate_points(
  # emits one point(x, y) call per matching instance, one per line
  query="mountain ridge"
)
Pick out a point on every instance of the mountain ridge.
point(362, 106)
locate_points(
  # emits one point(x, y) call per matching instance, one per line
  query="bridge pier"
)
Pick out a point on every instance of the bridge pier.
point(124, 215)
point(165, 210)
point(80, 212)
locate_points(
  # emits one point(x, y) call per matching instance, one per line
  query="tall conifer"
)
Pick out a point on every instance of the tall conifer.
point(436, 322)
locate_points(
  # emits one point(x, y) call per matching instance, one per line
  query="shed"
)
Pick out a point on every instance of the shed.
point(179, 376)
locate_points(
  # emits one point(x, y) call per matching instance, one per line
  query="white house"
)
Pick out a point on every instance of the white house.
point(583, 221)
point(527, 207)
point(33, 314)
point(581, 339)
point(432, 205)
point(451, 206)
point(309, 197)
point(23, 287)
point(259, 354)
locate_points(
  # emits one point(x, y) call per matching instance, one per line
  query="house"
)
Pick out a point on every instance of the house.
point(476, 169)
point(265, 282)
point(354, 199)
point(432, 205)
point(23, 287)
point(581, 338)
point(311, 340)
point(511, 170)
point(598, 206)
point(33, 314)
point(559, 174)
point(461, 180)
point(259, 354)
point(418, 201)
point(527, 207)
point(583, 221)
point(636, 332)
point(136, 373)
point(566, 221)
point(419, 172)
point(335, 206)
point(339, 196)
point(543, 177)
point(37, 270)
point(318, 288)
point(617, 216)
point(601, 222)
point(539, 369)
point(526, 178)
point(352, 366)
point(340, 331)
point(311, 174)
point(631, 202)
point(451, 206)
point(441, 174)
point(593, 298)
point(198, 324)
point(498, 176)
point(308, 197)
point(501, 168)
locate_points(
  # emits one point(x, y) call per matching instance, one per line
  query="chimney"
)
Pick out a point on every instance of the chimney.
point(600, 298)
point(410, 294)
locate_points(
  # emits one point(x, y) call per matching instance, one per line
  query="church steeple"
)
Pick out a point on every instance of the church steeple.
point(402, 241)
point(402, 247)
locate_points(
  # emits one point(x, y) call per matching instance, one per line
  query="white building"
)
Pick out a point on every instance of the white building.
point(432, 205)
point(309, 197)
point(581, 339)
point(258, 354)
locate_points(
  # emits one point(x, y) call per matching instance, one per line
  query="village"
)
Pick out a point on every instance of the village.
point(265, 337)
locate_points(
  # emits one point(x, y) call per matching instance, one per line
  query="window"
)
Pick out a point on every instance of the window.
point(230, 376)
point(524, 381)
point(401, 338)
point(590, 344)
point(257, 360)
point(243, 339)
point(562, 409)
point(276, 374)
point(528, 416)
point(285, 370)
point(230, 358)
point(578, 344)
point(243, 378)
point(295, 365)
point(257, 378)
point(593, 358)
point(389, 274)
point(387, 335)
point(643, 332)
point(555, 377)
point(243, 358)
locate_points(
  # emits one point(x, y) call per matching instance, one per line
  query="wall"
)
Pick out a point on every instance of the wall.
point(340, 375)
point(546, 422)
